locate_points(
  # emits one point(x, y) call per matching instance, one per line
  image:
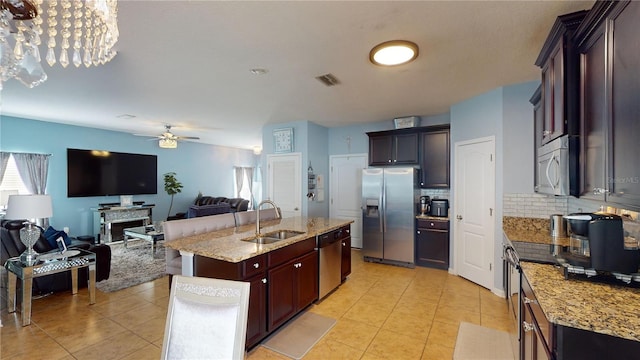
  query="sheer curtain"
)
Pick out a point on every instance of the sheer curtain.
point(248, 171)
point(239, 179)
point(4, 160)
point(33, 169)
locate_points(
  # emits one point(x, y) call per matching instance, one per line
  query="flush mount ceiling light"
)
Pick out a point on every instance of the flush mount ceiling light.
point(394, 52)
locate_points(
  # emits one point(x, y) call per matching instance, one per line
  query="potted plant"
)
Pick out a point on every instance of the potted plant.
point(172, 186)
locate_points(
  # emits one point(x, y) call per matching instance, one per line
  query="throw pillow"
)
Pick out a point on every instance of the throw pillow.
point(52, 235)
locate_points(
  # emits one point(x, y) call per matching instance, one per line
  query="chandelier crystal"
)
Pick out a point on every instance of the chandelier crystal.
point(77, 32)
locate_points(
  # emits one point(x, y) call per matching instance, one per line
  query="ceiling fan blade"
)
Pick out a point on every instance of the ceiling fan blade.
point(148, 135)
point(187, 138)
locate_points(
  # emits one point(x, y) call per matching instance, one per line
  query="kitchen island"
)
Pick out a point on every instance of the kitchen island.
point(284, 275)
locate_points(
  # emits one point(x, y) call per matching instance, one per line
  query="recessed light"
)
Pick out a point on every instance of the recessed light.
point(259, 71)
point(394, 52)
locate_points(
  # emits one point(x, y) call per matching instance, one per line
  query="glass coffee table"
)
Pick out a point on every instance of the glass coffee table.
point(148, 233)
point(46, 264)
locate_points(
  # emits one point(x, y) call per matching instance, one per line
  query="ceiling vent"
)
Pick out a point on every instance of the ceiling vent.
point(328, 79)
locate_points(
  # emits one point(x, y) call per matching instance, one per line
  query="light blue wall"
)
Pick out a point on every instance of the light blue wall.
point(204, 168)
point(518, 138)
point(317, 150)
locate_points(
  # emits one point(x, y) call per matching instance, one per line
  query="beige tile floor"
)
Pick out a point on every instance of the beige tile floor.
point(383, 312)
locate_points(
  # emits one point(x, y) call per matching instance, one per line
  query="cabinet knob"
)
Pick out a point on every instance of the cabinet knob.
point(256, 265)
point(526, 326)
point(264, 281)
point(418, 231)
point(389, 160)
point(529, 301)
point(344, 243)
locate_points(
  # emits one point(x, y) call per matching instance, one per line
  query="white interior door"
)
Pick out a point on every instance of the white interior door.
point(474, 189)
point(284, 182)
point(346, 191)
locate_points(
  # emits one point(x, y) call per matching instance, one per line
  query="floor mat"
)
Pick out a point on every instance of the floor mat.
point(297, 337)
point(479, 342)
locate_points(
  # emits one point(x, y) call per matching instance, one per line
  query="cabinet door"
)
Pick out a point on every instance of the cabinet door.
point(380, 150)
point(432, 248)
point(405, 149)
point(282, 294)
point(547, 101)
point(257, 316)
point(306, 280)
point(538, 127)
point(346, 257)
point(623, 178)
point(593, 117)
point(435, 162)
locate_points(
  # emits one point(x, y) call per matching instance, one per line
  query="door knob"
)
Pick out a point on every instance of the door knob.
point(459, 217)
point(295, 209)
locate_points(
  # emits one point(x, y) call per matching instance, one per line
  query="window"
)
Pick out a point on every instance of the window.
point(11, 183)
point(245, 184)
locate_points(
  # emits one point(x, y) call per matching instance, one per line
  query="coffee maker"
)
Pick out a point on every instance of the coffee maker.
point(424, 205)
point(596, 241)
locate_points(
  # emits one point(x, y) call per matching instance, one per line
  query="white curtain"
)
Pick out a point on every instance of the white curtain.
point(4, 160)
point(239, 179)
point(248, 171)
point(33, 169)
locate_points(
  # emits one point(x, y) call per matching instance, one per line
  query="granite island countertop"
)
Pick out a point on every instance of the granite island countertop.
point(582, 304)
point(227, 244)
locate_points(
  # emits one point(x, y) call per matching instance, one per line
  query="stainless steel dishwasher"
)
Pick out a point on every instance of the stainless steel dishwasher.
point(330, 249)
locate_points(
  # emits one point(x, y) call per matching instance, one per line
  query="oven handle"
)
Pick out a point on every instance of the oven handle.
point(511, 257)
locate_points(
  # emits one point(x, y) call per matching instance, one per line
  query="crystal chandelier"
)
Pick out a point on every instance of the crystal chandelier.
point(77, 32)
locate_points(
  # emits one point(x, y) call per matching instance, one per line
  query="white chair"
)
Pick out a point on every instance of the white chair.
point(207, 319)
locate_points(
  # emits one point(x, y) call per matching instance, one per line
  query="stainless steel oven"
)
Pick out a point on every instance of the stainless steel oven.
point(511, 280)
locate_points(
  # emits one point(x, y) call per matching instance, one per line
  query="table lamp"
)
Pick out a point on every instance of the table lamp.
point(29, 207)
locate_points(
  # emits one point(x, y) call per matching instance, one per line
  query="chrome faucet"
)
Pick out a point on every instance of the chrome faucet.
point(258, 213)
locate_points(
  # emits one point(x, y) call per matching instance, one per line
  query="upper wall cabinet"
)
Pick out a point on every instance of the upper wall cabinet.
point(426, 146)
point(610, 84)
point(558, 60)
point(538, 125)
point(394, 147)
point(434, 159)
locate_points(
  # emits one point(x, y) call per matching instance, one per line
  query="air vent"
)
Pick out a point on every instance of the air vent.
point(328, 79)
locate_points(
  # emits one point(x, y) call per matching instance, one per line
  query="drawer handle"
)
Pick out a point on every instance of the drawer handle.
point(529, 301)
point(264, 281)
point(526, 326)
point(256, 265)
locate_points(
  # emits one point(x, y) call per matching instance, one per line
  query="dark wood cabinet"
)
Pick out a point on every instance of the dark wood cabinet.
point(435, 159)
point(538, 128)
point(559, 62)
point(391, 148)
point(432, 243)
point(610, 80)
point(538, 333)
point(257, 315)
point(293, 286)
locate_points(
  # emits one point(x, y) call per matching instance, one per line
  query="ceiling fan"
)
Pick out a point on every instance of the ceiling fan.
point(167, 139)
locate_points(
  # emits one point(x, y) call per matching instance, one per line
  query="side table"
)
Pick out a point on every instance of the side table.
point(52, 263)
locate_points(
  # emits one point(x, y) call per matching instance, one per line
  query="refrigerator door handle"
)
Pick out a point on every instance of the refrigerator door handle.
point(383, 208)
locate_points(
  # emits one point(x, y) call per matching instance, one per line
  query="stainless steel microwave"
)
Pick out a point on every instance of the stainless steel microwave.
point(553, 167)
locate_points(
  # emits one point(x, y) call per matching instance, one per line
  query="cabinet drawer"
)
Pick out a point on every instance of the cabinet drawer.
point(530, 303)
point(433, 224)
point(255, 265)
point(287, 253)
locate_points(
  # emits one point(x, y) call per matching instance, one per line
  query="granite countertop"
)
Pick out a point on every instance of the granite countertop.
point(227, 245)
point(582, 304)
point(532, 230)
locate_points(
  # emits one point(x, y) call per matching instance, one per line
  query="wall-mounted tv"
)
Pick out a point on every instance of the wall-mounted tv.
point(103, 173)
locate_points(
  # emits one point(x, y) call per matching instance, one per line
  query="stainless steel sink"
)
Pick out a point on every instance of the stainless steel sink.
point(274, 236)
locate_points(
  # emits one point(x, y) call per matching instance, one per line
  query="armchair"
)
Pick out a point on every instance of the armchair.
point(12, 247)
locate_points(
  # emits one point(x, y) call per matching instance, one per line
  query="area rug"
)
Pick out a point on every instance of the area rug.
point(298, 336)
point(482, 343)
point(133, 265)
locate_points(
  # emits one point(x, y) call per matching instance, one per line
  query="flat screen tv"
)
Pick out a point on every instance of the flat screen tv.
point(103, 173)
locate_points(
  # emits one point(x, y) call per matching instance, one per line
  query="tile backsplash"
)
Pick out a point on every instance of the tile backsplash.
point(436, 193)
point(533, 205)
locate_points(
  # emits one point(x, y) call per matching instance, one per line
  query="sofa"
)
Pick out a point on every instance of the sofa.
point(12, 247)
point(209, 205)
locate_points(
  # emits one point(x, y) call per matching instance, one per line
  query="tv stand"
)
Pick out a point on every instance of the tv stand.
point(105, 217)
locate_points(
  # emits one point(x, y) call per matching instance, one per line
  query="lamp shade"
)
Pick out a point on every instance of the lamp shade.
point(28, 207)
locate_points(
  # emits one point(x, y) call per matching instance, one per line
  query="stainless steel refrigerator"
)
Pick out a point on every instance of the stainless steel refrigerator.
point(389, 198)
